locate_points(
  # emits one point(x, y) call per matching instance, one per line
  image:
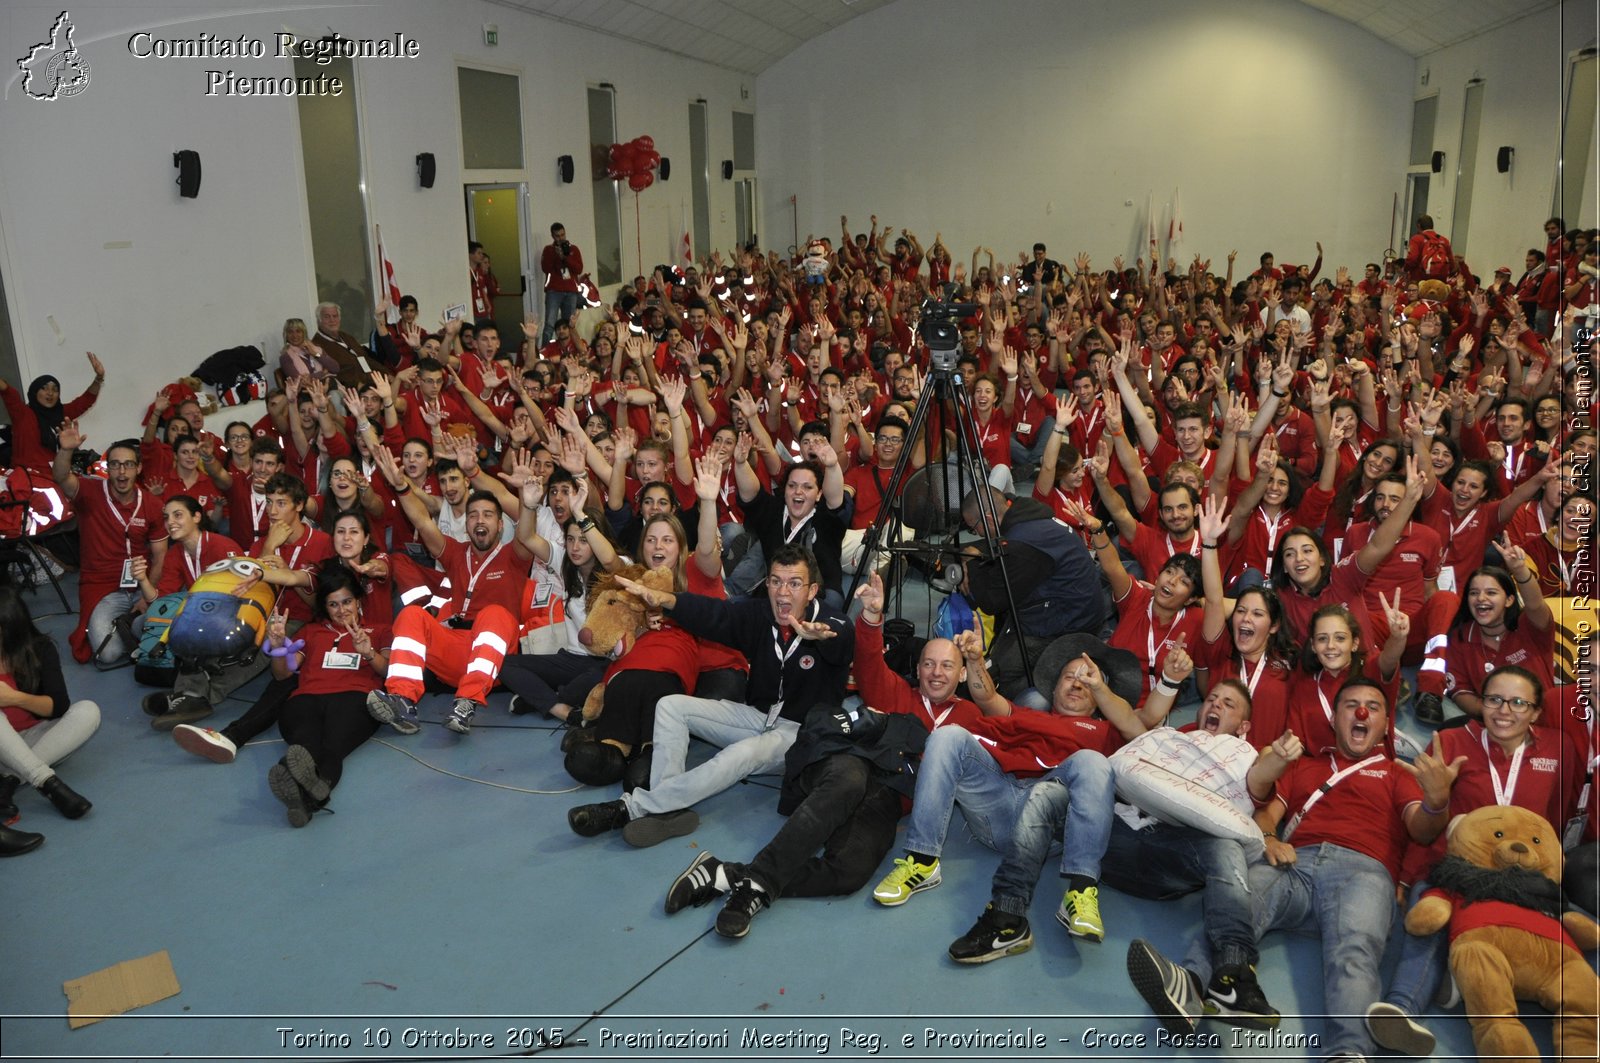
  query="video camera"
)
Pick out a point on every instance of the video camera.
point(941, 332)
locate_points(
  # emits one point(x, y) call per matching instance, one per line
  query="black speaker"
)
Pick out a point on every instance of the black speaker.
point(665, 169)
point(727, 169)
point(565, 169)
point(1438, 162)
point(425, 169)
point(188, 164)
point(1502, 159)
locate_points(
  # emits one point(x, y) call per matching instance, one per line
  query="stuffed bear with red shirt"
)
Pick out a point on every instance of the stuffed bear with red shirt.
point(1499, 890)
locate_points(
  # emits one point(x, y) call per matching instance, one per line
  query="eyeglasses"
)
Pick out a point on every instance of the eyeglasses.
point(890, 441)
point(1494, 701)
point(793, 586)
point(122, 464)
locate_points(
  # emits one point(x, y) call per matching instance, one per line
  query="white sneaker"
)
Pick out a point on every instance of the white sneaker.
point(1392, 1028)
point(204, 742)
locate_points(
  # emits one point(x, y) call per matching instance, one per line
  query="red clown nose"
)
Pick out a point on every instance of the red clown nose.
point(1361, 712)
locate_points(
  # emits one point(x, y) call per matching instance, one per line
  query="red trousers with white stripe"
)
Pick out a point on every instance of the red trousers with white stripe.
point(468, 659)
point(1426, 643)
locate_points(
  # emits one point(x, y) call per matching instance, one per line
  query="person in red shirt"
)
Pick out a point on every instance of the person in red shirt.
point(36, 419)
point(1275, 502)
point(487, 575)
point(1556, 555)
point(192, 547)
point(118, 521)
point(1336, 652)
point(1467, 518)
point(339, 660)
point(246, 490)
point(562, 264)
point(1503, 760)
point(1346, 814)
point(1493, 630)
point(1063, 474)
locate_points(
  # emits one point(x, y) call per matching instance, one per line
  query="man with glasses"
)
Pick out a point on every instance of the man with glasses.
point(867, 484)
point(118, 522)
point(799, 651)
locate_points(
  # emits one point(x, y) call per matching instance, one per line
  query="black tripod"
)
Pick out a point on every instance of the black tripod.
point(944, 391)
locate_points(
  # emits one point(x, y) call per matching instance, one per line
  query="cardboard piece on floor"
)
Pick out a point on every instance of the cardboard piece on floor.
point(120, 988)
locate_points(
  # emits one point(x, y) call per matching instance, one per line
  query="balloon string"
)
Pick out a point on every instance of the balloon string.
point(638, 238)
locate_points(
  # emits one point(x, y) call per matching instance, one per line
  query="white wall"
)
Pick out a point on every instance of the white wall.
point(1021, 120)
point(79, 174)
point(1523, 65)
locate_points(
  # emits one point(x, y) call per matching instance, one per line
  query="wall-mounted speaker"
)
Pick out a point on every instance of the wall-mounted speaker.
point(425, 169)
point(188, 164)
point(1438, 162)
point(1502, 158)
point(565, 169)
point(665, 169)
point(727, 169)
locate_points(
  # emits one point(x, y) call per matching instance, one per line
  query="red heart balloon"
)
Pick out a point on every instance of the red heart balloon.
point(645, 142)
point(641, 181)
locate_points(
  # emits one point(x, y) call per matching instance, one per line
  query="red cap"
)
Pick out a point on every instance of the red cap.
point(1504, 269)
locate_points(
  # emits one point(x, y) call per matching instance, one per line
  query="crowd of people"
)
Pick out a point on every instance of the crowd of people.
point(1265, 494)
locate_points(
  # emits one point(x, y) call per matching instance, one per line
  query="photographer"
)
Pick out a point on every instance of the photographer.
point(562, 264)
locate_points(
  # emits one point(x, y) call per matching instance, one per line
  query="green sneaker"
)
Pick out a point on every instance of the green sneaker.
point(1080, 914)
point(908, 877)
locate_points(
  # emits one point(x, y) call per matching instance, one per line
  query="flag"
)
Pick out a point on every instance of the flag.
point(685, 245)
point(1175, 227)
point(389, 284)
point(1150, 215)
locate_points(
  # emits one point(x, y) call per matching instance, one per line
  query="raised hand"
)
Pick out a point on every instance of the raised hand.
point(708, 478)
point(70, 437)
point(870, 595)
point(94, 363)
point(1213, 519)
point(1399, 622)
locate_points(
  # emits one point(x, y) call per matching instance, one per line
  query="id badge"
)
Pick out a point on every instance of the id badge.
point(1024, 428)
point(1447, 578)
point(341, 662)
point(128, 583)
point(772, 715)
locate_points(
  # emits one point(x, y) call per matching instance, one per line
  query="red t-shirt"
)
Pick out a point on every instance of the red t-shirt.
point(321, 639)
point(1269, 683)
point(480, 580)
point(1311, 700)
point(1259, 542)
point(303, 555)
point(1153, 548)
point(1149, 639)
point(182, 568)
point(1553, 566)
point(1029, 742)
point(1468, 660)
point(672, 649)
point(994, 438)
point(1362, 812)
point(1346, 586)
point(1465, 538)
point(113, 532)
point(1414, 559)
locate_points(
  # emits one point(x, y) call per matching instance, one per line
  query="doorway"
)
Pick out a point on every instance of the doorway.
point(497, 218)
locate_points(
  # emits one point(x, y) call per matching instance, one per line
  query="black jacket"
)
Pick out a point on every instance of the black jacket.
point(891, 742)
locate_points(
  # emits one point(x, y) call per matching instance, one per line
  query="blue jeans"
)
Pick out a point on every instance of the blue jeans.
point(1348, 899)
point(1164, 861)
point(956, 769)
point(1422, 965)
point(749, 747)
point(1071, 802)
point(1031, 455)
point(557, 306)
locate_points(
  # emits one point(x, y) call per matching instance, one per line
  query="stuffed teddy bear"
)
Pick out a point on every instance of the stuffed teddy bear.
point(1499, 889)
point(616, 619)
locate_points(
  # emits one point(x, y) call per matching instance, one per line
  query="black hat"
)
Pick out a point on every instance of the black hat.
point(1122, 669)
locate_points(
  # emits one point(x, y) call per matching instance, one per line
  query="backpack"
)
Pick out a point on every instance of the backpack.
point(1436, 256)
point(154, 664)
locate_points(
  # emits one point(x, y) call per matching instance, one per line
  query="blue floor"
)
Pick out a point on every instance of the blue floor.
point(444, 897)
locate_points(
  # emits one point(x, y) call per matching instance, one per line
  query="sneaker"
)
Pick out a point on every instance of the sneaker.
point(1449, 994)
point(594, 820)
point(204, 742)
point(460, 718)
point(394, 710)
point(742, 905)
point(1172, 992)
point(1428, 707)
point(285, 789)
point(1080, 914)
point(908, 877)
point(1392, 1028)
point(520, 706)
point(185, 708)
point(303, 768)
point(1235, 997)
point(994, 936)
point(156, 704)
point(696, 886)
point(654, 829)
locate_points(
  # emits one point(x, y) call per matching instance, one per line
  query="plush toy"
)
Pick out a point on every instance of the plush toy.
point(1499, 889)
point(616, 619)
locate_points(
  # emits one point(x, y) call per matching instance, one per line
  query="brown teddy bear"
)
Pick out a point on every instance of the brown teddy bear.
point(1500, 890)
point(616, 619)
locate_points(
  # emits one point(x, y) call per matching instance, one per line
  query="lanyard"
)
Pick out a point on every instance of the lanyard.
point(193, 563)
point(986, 432)
point(257, 508)
point(776, 708)
point(1327, 710)
point(1504, 794)
point(1150, 634)
point(937, 720)
point(1514, 469)
point(1457, 529)
point(1274, 529)
point(1333, 780)
point(472, 577)
point(1193, 549)
point(138, 500)
point(1250, 681)
point(788, 536)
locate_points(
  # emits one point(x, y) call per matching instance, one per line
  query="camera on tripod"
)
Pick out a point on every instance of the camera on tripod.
point(941, 332)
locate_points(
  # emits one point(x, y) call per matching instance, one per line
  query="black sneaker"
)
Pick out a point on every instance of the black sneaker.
point(1236, 998)
point(1173, 992)
point(994, 936)
point(697, 885)
point(594, 820)
point(185, 708)
point(743, 904)
point(1428, 708)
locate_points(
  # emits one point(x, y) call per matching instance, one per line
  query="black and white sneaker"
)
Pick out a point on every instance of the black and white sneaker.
point(460, 718)
point(394, 710)
point(1173, 992)
point(1235, 997)
point(696, 886)
point(994, 936)
point(743, 904)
